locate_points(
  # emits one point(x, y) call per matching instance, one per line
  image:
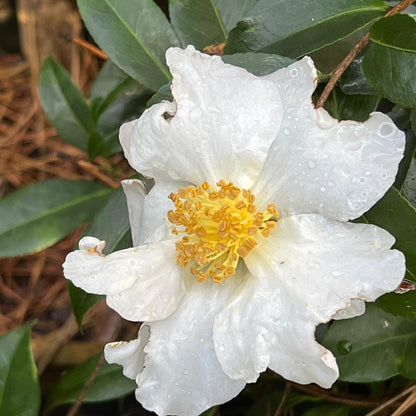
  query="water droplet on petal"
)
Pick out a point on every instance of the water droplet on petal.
point(286, 131)
point(293, 72)
point(312, 164)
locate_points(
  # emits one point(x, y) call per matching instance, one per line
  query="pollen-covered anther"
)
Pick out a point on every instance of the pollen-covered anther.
point(220, 225)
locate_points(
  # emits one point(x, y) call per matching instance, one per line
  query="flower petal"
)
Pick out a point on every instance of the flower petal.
point(320, 165)
point(355, 308)
point(306, 271)
point(148, 212)
point(135, 192)
point(221, 127)
point(181, 374)
point(142, 283)
point(129, 354)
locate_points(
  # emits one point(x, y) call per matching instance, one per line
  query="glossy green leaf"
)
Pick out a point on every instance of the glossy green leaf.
point(134, 34)
point(390, 62)
point(351, 107)
point(64, 105)
point(112, 225)
point(394, 213)
point(206, 22)
point(294, 27)
point(109, 384)
point(19, 385)
point(399, 304)
point(354, 81)
point(375, 346)
point(39, 215)
point(258, 63)
point(397, 31)
point(163, 94)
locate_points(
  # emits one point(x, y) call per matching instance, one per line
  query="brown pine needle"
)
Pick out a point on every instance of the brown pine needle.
point(90, 47)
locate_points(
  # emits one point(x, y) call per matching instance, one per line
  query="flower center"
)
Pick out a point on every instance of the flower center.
point(220, 226)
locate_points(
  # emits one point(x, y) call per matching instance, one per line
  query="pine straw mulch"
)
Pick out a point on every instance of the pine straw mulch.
point(32, 288)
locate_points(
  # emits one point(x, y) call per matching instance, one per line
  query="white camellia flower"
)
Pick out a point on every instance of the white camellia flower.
point(243, 246)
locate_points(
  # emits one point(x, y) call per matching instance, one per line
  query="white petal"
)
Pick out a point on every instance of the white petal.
point(135, 192)
point(320, 165)
point(306, 271)
point(355, 308)
point(182, 375)
point(142, 283)
point(148, 212)
point(221, 127)
point(129, 354)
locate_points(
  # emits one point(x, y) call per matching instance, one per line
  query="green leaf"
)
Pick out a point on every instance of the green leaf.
point(206, 22)
point(351, 107)
point(134, 34)
point(294, 27)
point(112, 225)
point(39, 215)
point(390, 62)
point(163, 94)
point(353, 80)
point(401, 305)
point(394, 213)
point(109, 384)
point(64, 105)
point(373, 347)
point(258, 63)
point(19, 385)
point(397, 32)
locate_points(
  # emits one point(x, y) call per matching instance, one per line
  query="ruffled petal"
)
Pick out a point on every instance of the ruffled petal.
point(181, 374)
point(142, 283)
point(147, 212)
point(355, 308)
point(320, 165)
point(135, 192)
point(129, 355)
point(220, 126)
point(306, 271)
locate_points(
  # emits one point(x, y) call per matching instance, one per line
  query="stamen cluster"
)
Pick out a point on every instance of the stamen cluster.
point(221, 225)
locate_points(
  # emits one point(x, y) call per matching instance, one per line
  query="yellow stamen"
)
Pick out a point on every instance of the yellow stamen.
point(220, 226)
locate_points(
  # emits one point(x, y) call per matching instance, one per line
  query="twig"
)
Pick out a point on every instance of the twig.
point(77, 404)
point(387, 403)
point(74, 408)
point(340, 69)
point(326, 396)
point(286, 392)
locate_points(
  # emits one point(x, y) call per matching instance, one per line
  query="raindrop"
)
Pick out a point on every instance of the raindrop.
point(286, 131)
point(221, 348)
point(312, 164)
point(293, 72)
point(202, 340)
point(323, 189)
point(344, 347)
point(385, 130)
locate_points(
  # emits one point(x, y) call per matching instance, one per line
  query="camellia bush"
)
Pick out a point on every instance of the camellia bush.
point(268, 239)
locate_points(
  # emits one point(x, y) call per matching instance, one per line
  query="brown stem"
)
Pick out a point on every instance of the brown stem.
point(77, 404)
point(323, 394)
point(288, 387)
point(340, 69)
